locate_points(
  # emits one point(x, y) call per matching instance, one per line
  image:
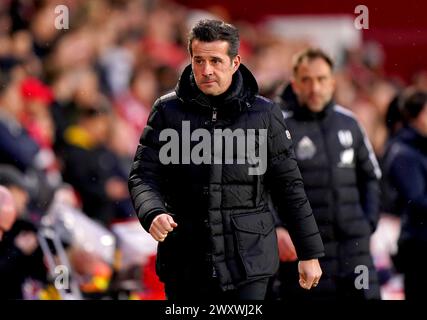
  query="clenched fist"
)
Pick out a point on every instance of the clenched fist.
point(161, 226)
point(309, 273)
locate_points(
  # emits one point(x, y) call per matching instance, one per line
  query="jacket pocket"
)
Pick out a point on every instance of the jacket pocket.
point(256, 243)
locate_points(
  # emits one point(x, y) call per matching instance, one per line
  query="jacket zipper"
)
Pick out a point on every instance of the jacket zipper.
point(332, 182)
point(214, 115)
point(211, 256)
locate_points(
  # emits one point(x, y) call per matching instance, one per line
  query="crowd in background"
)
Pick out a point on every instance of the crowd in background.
point(73, 102)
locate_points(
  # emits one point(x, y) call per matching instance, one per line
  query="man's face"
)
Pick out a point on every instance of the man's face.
point(212, 67)
point(314, 84)
point(422, 121)
point(7, 211)
point(20, 198)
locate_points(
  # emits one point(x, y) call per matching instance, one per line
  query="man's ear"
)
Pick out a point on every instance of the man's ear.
point(334, 83)
point(293, 84)
point(236, 63)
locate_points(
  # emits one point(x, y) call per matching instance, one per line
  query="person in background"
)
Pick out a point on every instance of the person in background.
point(20, 255)
point(93, 169)
point(405, 164)
point(7, 211)
point(341, 178)
point(16, 146)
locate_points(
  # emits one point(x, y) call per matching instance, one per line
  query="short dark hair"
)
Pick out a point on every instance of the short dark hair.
point(311, 54)
point(413, 105)
point(213, 30)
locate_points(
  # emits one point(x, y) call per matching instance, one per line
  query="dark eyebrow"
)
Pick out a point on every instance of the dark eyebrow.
point(210, 58)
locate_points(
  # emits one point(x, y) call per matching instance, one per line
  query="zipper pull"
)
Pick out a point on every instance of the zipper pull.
point(214, 114)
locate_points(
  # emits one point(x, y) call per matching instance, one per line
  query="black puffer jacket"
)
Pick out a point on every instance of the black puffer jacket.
point(340, 174)
point(220, 208)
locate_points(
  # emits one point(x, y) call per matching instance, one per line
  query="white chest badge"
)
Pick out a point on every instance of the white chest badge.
point(305, 149)
point(346, 156)
point(345, 137)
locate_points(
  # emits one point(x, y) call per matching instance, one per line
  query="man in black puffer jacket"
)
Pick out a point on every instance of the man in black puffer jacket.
point(199, 182)
point(340, 175)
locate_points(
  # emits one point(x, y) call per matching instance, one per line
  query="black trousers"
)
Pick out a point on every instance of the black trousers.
point(415, 254)
point(415, 283)
point(208, 289)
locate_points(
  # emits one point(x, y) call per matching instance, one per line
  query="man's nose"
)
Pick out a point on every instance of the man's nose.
point(315, 88)
point(207, 70)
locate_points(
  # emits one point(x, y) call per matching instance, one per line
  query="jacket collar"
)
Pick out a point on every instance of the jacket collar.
point(289, 102)
point(240, 94)
point(412, 137)
point(303, 112)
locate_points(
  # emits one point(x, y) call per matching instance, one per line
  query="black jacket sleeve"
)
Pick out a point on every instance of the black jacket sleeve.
point(146, 179)
point(287, 190)
point(368, 175)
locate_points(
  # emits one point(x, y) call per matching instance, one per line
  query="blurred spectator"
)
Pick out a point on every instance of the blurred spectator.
point(162, 42)
point(36, 116)
point(167, 78)
point(395, 121)
point(22, 51)
point(7, 213)
point(20, 255)
point(134, 106)
point(16, 146)
point(393, 116)
point(15, 181)
point(92, 169)
point(406, 165)
point(43, 29)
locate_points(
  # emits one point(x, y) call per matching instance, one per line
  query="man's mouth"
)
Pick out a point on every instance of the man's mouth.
point(315, 97)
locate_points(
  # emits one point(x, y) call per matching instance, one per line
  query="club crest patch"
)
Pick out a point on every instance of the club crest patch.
point(305, 149)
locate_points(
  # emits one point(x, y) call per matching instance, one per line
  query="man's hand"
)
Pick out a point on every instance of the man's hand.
point(287, 250)
point(116, 189)
point(161, 225)
point(309, 273)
